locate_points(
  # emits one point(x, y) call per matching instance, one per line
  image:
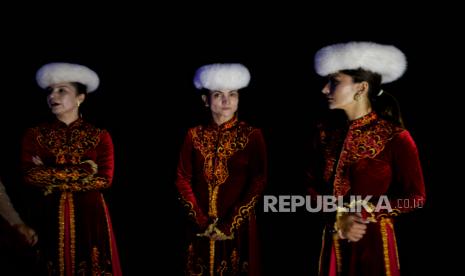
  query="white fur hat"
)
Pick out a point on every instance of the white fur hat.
point(58, 72)
point(222, 76)
point(386, 60)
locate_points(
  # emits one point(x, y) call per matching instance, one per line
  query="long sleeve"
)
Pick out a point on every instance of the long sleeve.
point(407, 172)
point(184, 183)
point(48, 173)
point(313, 166)
point(65, 168)
point(258, 178)
point(105, 162)
point(405, 190)
point(7, 210)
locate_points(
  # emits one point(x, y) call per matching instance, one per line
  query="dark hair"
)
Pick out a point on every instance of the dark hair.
point(383, 103)
point(80, 88)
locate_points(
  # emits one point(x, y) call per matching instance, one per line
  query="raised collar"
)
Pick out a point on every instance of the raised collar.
point(59, 124)
point(364, 120)
point(226, 125)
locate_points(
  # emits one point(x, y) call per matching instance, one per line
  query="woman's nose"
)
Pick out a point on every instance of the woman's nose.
point(325, 89)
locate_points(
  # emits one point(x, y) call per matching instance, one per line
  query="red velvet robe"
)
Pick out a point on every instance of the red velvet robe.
point(373, 157)
point(70, 213)
point(221, 174)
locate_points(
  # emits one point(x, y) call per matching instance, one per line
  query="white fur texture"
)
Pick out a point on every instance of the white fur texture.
point(58, 72)
point(222, 76)
point(386, 60)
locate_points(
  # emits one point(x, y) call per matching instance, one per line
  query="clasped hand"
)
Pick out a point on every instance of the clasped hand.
point(213, 233)
point(351, 227)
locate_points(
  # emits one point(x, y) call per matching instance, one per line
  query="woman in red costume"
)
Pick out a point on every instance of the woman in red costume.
point(220, 176)
point(69, 162)
point(371, 156)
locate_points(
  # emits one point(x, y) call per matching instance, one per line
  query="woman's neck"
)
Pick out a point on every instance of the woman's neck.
point(68, 118)
point(359, 110)
point(219, 120)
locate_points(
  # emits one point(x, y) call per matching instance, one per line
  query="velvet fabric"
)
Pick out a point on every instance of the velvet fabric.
point(221, 175)
point(370, 157)
point(69, 210)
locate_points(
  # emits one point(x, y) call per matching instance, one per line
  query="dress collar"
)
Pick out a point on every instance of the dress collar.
point(59, 124)
point(364, 120)
point(226, 125)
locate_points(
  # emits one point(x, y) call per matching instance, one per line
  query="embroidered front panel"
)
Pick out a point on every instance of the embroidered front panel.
point(217, 145)
point(68, 145)
point(366, 138)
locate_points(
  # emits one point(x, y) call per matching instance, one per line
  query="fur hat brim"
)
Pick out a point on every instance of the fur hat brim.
point(386, 60)
point(59, 72)
point(222, 76)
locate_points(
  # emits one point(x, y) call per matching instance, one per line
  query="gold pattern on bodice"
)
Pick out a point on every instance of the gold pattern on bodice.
point(69, 145)
point(217, 144)
point(366, 138)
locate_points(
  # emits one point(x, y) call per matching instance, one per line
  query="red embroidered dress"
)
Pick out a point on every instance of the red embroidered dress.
point(221, 174)
point(373, 157)
point(75, 232)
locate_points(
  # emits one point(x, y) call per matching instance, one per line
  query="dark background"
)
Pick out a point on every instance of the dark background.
point(147, 101)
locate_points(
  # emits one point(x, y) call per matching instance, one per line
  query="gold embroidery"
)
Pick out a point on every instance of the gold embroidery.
point(234, 262)
point(222, 268)
point(393, 213)
point(384, 237)
point(68, 145)
point(366, 138)
point(212, 208)
point(395, 243)
point(189, 206)
point(66, 199)
point(212, 257)
point(72, 229)
point(337, 251)
point(217, 145)
point(244, 212)
point(61, 233)
point(193, 268)
point(320, 259)
point(96, 270)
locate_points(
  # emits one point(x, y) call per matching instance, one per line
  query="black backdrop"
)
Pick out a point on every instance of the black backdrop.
point(147, 101)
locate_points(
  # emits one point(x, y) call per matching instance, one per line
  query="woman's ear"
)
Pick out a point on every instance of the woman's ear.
point(363, 87)
point(81, 98)
point(205, 100)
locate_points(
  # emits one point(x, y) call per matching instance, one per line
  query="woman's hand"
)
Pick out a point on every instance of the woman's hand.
point(92, 164)
point(213, 233)
point(352, 227)
point(37, 161)
point(27, 233)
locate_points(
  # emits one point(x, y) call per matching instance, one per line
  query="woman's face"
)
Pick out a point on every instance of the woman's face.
point(63, 99)
point(224, 103)
point(340, 91)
